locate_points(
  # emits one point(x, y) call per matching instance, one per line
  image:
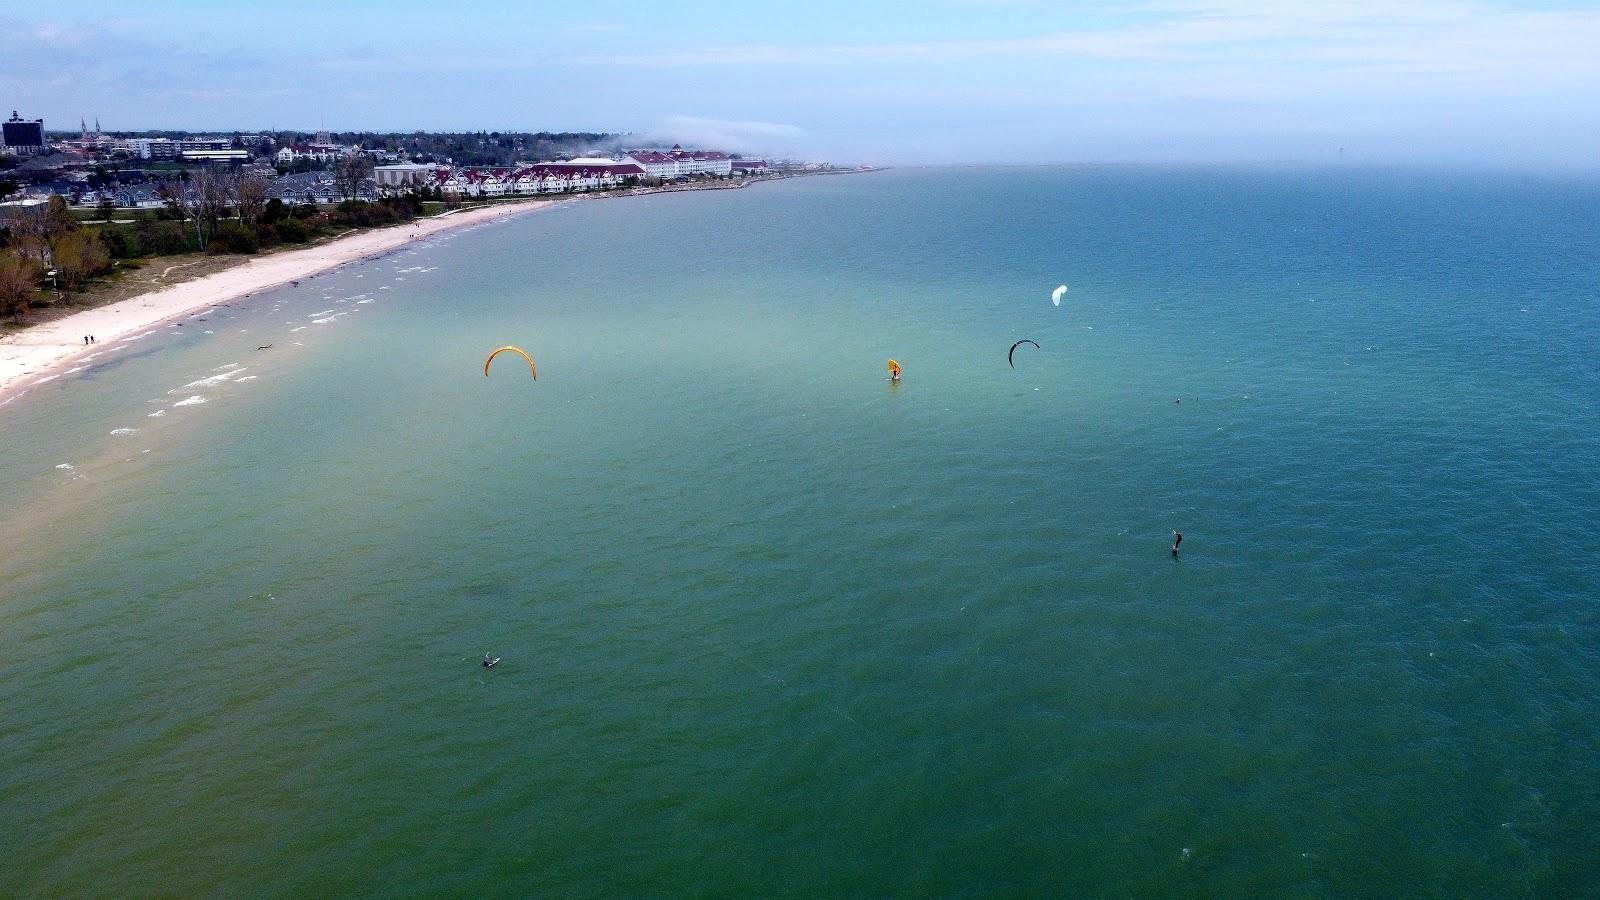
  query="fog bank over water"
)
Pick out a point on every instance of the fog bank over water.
point(1440, 81)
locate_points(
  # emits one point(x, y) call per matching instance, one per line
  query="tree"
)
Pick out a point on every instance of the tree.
point(19, 276)
point(352, 172)
point(274, 211)
point(58, 217)
point(251, 191)
point(171, 194)
point(107, 207)
point(78, 256)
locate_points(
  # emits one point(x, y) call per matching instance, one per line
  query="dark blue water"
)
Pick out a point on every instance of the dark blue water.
point(771, 624)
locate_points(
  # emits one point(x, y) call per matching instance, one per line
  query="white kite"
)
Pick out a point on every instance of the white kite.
point(1055, 295)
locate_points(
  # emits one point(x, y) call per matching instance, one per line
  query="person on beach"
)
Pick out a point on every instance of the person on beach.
point(86, 340)
point(1178, 535)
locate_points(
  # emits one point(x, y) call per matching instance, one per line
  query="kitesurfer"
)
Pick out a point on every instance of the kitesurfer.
point(1177, 539)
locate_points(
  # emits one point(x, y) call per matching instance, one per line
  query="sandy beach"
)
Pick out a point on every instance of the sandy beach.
point(35, 353)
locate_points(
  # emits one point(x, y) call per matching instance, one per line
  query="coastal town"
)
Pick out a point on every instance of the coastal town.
point(91, 167)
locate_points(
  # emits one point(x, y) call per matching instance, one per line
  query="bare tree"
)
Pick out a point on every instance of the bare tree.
point(214, 198)
point(171, 194)
point(19, 276)
point(206, 201)
point(353, 170)
point(251, 191)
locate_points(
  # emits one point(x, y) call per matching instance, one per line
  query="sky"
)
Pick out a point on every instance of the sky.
point(1451, 82)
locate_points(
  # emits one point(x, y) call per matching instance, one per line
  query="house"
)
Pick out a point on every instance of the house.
point(750, 166)
point(315, 152)
point(534, 178)
point(138, 197)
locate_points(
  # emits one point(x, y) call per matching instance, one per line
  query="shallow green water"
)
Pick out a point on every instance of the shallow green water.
point(770, 624)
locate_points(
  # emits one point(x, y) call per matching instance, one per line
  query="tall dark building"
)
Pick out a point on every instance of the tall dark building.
point(22, 134)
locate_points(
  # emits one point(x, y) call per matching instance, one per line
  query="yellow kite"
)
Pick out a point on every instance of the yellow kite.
point(518, 350)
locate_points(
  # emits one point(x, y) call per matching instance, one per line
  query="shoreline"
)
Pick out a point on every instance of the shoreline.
point(32, 355)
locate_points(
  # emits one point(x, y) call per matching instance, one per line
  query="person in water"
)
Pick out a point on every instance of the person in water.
point(1178, 539)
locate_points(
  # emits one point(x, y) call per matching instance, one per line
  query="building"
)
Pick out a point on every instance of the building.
point(402, 176)
point(315, 152)
point(215, 155)
point(750, 166)
point(710, 162)
point(191, 145)
point(537, 178)
point(655, 163)
point(23, 135)
point(620, 169)
point(159, 149)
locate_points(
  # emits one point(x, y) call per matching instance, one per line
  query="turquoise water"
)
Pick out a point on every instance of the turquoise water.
point(772, 625)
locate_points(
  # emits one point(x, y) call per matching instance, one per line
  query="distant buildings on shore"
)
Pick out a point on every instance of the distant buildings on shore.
point(94, 167)
point(578, 174)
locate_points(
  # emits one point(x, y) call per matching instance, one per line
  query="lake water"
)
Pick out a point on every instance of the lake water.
point(770, 624)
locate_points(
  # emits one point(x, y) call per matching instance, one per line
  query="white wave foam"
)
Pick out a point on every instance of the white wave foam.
point(213, 380)
point(248, 378)
point(293, 330)
point(323, 313)
point(368, 300)
point(75, 369)
point(47, 378)
point(196, 400)
point(122, 431)
point(157, 414)
point(67, 466)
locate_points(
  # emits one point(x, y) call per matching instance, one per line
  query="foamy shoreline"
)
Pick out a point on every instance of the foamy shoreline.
point(36, 353)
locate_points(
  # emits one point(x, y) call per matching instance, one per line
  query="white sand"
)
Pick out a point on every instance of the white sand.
point(31, 355)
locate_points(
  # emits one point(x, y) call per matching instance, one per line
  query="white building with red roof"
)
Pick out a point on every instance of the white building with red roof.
point(535, 178)
point(655, 163)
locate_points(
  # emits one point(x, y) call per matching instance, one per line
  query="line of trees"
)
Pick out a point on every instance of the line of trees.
point(218, 213)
